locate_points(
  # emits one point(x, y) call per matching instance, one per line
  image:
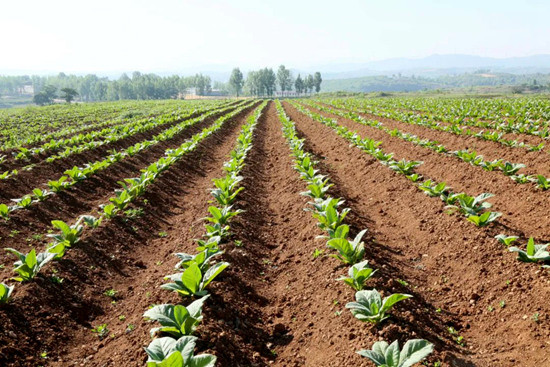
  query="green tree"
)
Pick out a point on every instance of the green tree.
point(202, 84)
point(253, 83)
point(309, 83)
point(317, 80)
point(268, 79)
point(68, 94)
point(45, 96)
point(299, 84)
point(41, 99)
point(284, 78)
point(236, 81)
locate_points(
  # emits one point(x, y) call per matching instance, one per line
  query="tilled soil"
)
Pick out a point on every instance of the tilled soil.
point(86, 196)
point(25, 181)
point(457, 267)
point(276, 304)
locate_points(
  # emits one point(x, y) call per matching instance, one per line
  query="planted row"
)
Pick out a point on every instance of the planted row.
point(173, 342)
point(30, 264)
point(507, 168)
point(76, 175)
point(369, 306)
point(474, 208)
point(436, 125)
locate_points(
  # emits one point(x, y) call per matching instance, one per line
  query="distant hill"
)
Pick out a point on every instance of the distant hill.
point(437, 65)
point(403, 83)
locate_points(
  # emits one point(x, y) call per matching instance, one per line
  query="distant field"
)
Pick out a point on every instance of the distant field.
point(446, 187)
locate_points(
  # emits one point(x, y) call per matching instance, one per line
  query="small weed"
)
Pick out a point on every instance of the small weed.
point(13, 233)
point(110, 293)
point(502, 304)
point(163, 234)
point(402, 282)
point(458, 338)
point(101, 331)
point(535, 317)
point(134, 213)
point(37, 237)
point(317, 253)
point(122, 317)
point(56, 280)
point(239, 243)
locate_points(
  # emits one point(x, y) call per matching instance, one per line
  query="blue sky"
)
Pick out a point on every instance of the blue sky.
point(175, 35)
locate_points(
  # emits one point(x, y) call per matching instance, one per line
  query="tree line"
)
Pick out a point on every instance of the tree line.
point(264, 82)
point(89, 88)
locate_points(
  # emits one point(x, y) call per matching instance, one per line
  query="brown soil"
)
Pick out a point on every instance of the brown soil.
point(427, 246)
point(86, 196)
point(521, 215)
point(526, 138)
point(26, 181)
point(126, 255)
point(276, 304)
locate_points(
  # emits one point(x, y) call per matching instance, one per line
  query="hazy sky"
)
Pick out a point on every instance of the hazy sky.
point(172, 35)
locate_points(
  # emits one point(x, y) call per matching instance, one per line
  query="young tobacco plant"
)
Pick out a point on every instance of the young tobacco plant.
point(484, 219)
point(59, 185)
point(533, 253)
point(29, 265)
point(327, 215)
point(5, 211)
point(358, 275)
point(69, 234)
point(222, 216)
point(506, 240)
point(369, 305)
point(5, 293)
point(110, 211)
point(226, 190)
point(404, 167)
point(389, 355)
point(434, 189)
point(169, 352)
point(176, 320)
point(470, 205)
point(41, 195)
point(543, 182)
point(510, 169)
point(192, 282)
point(211, 244)
point(349, 252)
point(317, 189)
point(24, 203)
point(91, 221)
point(202, 259)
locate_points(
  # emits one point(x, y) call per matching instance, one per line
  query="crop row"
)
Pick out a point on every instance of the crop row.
point(76, 175)
point(454, 128)
point(96, 138)
point(369, 306)
point(84, 142)
point(520, 111)
point(475, 208)
point(173, 342)
point(30, 264)
point(27, 126)
point(506, 168)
